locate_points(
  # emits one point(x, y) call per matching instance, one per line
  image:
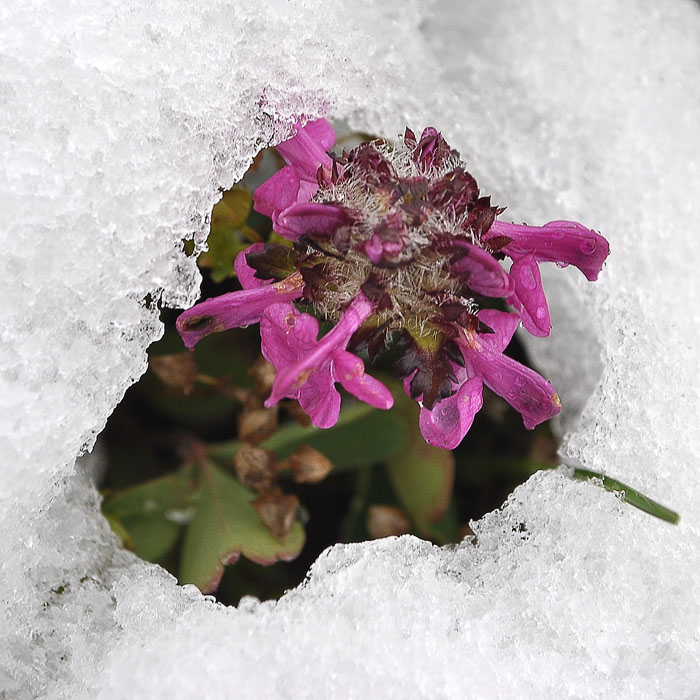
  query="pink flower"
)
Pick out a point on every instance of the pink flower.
point(305, 153)
point(393, 245)
point(562, 242)
point(308, 368)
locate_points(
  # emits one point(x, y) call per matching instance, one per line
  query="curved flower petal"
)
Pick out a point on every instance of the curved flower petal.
point(307, 149)
point(503, 326)
point(449, 421)
point(244, 272)
point(525, 390)
point(292, 376)
point(320, 399)
point(481, 271)
point(286, 334)
point(312, 219)
point(349, 370)
point(562, 242)
point(282, 190)
point(235, 309)
point(528, 291)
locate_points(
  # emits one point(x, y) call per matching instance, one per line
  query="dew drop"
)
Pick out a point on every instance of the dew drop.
point(588, 245)
point(541, 312)
point(528, 279)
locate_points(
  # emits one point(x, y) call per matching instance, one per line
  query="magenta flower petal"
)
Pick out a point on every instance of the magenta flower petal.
point(449, 421)
point(481, 271)
point(525, 274)
point(282, 190)
point(349, 370)
point(287, 336)
point(311, 219)
point(307, 149)
point(320, 399)
point(503, 326)
point(528, 393)
point(234, 309)
point(563, 242)
point(292, 376)
point(320, 130)
point(244, 272)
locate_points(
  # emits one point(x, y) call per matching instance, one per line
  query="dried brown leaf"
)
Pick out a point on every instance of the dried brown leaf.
point(308, 465)
point(277, 510)
point(178, 371)
point(255, 467)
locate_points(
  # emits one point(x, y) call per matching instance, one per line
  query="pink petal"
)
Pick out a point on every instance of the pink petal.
point(449, 421)
point(312, 219)
point(286, 334)
point(279, 192)
point(481, 271)
point(525, 274)
point(307, 149)
point(528, 393)
point(349, 370)
point(321, 130)
point(244, 272)
point(234, 309)
point(293, 376)
point(320, 399)
point(503, 325)
point(563, 242)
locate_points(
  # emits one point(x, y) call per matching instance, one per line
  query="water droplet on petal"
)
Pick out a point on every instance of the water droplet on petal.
point(528, 279)
point(588, 245)
point(541, 312)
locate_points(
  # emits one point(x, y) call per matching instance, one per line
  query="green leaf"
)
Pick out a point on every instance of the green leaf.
point(225, 526)
point(422, 476)
point(151, 537)
point(232, 209)
point(229, 234)
point(362, 436)
point(165, 496)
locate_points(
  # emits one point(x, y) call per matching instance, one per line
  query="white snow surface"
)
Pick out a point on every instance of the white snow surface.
point(120, 122)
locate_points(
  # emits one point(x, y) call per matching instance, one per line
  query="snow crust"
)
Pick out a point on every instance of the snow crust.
point(121, 121)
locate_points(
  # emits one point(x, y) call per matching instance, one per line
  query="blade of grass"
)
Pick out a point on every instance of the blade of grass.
point(628, 495)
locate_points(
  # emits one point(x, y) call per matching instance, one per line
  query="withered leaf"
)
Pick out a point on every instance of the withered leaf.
point(308, 465)
point(263, 374)
point(255, 467)
point(178, 371)
point(254, 425)
point(277, 510)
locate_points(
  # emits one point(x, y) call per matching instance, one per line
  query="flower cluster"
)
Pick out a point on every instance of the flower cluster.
point(394, 246)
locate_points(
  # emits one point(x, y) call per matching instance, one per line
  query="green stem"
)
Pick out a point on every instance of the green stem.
point(629, 495)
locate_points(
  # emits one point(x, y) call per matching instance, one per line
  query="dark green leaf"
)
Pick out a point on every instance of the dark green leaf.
point(362, 436)
point(151, 537)
point(423, 476)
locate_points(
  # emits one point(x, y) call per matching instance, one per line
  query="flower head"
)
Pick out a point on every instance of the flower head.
point(394, 245)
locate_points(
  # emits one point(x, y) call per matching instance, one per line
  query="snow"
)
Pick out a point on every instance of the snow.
point(121, 121)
